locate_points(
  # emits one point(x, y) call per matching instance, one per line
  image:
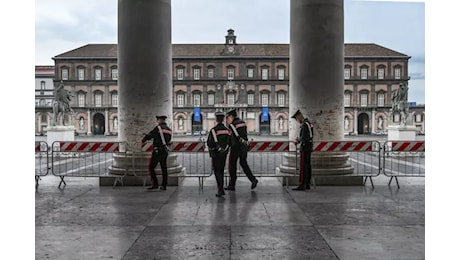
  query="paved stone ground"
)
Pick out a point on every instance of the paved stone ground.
point(86, 221)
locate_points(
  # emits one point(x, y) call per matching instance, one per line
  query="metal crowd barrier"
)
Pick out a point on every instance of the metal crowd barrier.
point(264, 159)
point(42, 163)
point(81, 159)
point(363, 158)
point(192, 156)
point(403, 159)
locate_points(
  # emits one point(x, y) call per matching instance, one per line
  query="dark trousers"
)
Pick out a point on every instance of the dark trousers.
point(158, 156)
point(305, 168)
point(241, 154)
point(218, 164)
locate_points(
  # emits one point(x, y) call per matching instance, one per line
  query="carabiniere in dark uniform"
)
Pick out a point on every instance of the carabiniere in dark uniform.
point(306, 147)
point(160, 151)
point(219, 150)
point(239, 149)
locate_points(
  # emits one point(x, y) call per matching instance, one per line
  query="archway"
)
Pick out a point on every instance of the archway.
point(363, 124)
point(98, 124)
point(197, 124)
point(264, 124)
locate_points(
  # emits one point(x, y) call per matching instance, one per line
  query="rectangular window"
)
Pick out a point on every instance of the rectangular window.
point(42, 88)
point(347, 73)
point(114, 100)
point(196, 74)
point(98, 74)
point(180, 74)
point(364, 73)
point(231, 99)
point(251, 99)
point(264, 74)
point(265, 99)
point(364, 100)
point(281, 99)
point(418, 118)
point(250, 73)
point(211, 99)
point(381, 73)
point(397, 73)
point(81, 100)
point(65, 74)
point(381, 100)
point(231, 73)
point(281, 74)
point(81, 74)
point(114, 74)
point(196, 100)
point(180, 100)
point(347, 100)
point(98, 100)
point(210, 73)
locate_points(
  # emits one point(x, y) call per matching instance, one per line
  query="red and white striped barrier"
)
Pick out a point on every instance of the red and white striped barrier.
point(102, 147)
point(269, 147)
point(178, 147)
point(407, 146)
point(343, 146)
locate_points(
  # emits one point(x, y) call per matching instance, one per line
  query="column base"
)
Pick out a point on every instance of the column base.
point(132, 169)
point(328, 169)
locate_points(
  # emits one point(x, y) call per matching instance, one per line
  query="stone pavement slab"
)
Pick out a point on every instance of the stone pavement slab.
point(86, 221)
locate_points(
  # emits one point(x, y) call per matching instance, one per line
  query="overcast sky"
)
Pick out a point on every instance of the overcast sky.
point(61, 26)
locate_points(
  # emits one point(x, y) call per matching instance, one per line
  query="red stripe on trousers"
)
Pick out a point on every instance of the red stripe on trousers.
point(302, 164)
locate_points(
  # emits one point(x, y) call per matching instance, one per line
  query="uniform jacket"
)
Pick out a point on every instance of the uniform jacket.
point(155, 135)
point(223, 135)
point(241, 128)
point(306, 134)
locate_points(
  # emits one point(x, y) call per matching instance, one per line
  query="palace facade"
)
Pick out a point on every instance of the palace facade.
point(253, 78)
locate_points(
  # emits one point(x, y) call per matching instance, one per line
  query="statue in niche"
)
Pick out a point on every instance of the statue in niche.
point(82, 123)
point(380, 123)
point(346, 123)
point(280, 123)
point(115, 123)
point(181, 123)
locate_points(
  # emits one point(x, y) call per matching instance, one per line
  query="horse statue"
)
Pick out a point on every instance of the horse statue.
point(399, 103)
point(61, 105)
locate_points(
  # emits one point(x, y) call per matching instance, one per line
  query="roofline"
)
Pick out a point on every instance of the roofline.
point(386, 57)
point(233, 57)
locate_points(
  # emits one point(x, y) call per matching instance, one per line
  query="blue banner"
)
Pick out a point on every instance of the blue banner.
point(196, 114)
point(264, 114)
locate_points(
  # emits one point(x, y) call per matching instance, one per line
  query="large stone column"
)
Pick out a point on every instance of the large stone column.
point(145, 78)
point(316, 77)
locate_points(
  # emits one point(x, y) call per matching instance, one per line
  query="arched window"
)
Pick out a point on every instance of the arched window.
point(97, 73)
point(347, 98)
point(98, 98)
point(364, 96)
point(80, 73)
point(381, 72)
point(363, 72)
point(347, 72)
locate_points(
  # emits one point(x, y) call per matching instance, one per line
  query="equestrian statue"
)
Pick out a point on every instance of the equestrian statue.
point(61, 105)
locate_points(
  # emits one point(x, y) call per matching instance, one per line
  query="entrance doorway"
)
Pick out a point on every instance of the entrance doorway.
point(98, 124)
point(363, 124)
point(197, 125)
point(264, 125)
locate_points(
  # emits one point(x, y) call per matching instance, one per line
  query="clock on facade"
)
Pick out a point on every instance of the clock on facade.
point(231, 49)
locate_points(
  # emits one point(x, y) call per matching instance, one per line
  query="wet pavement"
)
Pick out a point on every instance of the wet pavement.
point(88, 221)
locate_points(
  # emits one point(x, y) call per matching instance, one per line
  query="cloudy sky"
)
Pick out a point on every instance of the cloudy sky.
point(61, 26)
